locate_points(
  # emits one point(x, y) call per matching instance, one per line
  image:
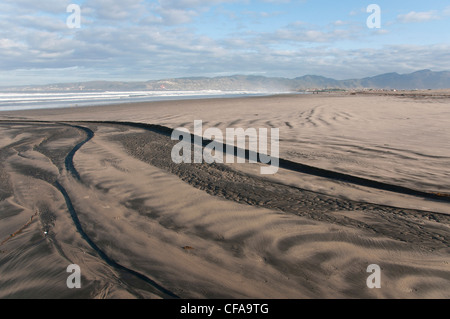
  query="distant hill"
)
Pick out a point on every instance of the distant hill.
point(316, 82)
point(424, 79)
point(421, 80)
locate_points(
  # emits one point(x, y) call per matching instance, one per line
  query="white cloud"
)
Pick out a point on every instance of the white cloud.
point(175, 12)
point(381, 31)
point(117, 11)
point(358, 12)
point(173, 16)
point(303, 33)
point(278, 1)
point(447, 11)
point(136, 39)
point(33, 6)
point(340, 23)
point(413, 16)
point(169, 57)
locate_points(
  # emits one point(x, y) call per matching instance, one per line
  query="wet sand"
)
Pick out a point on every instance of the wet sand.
point(111, 200)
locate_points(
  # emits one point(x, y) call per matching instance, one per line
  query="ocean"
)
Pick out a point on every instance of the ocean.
point(44, 100)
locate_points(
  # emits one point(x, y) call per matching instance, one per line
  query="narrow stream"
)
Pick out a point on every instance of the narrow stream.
point(71, 169)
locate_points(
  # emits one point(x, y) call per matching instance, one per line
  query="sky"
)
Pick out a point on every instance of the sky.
point(140, 40)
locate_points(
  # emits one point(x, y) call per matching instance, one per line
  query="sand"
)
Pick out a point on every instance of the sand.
point(107, 197)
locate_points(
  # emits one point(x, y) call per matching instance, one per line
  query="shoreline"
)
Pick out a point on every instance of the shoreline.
point(414, 94)
point(158, 100)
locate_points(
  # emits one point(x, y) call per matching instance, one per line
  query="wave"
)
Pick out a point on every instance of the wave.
point(39, 100)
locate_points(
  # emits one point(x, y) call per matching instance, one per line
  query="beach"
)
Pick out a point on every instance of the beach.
point(364, 180)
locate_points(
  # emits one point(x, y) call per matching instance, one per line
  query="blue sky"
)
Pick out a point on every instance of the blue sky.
point(153, 39)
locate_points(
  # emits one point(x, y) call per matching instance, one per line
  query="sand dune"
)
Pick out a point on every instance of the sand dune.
point(140, 226)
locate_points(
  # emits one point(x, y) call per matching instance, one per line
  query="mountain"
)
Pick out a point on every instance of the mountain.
point(421, 80)
point(224, 83)
point(424, 79)
point(316, 82)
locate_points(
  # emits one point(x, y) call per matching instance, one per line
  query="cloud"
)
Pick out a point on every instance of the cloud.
point(340, 23)
point(447, 11)
point(173, 12)
point(278, 1)
point(358, 12)
point(105, 11)
point(137, 39)
point(304, 33)
point(173, 16)
point(33, 7)
point(171, 57)
point(413, 16)
point(162, 12)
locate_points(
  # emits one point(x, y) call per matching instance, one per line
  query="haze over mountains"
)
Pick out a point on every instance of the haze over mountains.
point(424, 79)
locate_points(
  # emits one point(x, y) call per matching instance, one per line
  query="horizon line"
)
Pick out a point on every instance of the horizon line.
point(215, 77)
